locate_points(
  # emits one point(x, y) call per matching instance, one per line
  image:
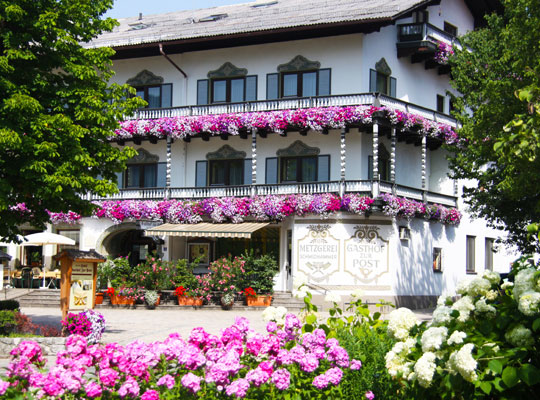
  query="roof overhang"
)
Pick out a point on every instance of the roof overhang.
point(241, 231)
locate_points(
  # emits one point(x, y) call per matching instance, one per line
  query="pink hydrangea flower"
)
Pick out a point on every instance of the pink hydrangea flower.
point(238, 388)
point(166, 380)
point(370, 395)
point(192, 382)
point(281, 378)
point(150, 394)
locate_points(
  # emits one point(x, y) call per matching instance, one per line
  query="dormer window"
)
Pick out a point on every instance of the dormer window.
point(380, 79)
point(298, 78)
point(227, 84)
point(151, 88)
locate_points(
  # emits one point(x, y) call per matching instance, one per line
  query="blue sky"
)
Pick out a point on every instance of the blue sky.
point(132, 8)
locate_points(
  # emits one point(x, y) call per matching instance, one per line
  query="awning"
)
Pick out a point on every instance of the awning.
point(242, 230)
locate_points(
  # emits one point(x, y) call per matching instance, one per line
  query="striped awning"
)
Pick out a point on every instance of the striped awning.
point(242, 230)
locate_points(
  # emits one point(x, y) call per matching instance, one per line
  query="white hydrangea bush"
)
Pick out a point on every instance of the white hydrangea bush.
point(482, 343)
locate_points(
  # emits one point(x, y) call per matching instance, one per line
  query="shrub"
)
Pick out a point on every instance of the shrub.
point(9, 305)
point(259, 273)
point(25, 324)
point(282, 364)
point(117, 272)
point(7, 322)
point(484, 345)
point(154, 274)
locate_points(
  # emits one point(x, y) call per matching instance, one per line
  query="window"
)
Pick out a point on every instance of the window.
point(157, 96)
point(151, 88)
point(437, 259)
point(449, 28)
point(384, 165)
point(298, 169)
point(72, 234)
point(489, 250)
point(223, 167)
point(420, 16)
point(380, 79)
point(226, 172)
point(440, 103)
point(227, 84)
point(470, 254)
point(234, 90)
point(299, 77)
point(143, 171)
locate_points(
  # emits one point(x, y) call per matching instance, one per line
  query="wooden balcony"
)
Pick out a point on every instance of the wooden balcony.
point(420, 41)
point(364, 187)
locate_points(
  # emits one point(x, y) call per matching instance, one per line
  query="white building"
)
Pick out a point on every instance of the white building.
point(336, 99)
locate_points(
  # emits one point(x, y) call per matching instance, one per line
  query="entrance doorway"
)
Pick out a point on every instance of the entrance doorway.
point(132, 244)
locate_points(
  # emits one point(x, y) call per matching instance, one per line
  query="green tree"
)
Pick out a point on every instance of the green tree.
point(498, 76)
point(57, 109)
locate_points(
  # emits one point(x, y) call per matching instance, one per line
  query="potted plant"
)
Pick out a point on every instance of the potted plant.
point(187, 297)
point(152, 276)
point(227, 300)
point(254, 300)
point(259, 278)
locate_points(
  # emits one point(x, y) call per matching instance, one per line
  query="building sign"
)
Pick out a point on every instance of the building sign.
point(366, 254)
point(82, 281)
point(318, 253)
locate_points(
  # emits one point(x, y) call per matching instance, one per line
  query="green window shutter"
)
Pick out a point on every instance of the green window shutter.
point(370, 167)
point(271, 173)
point(324, 82)
point(323, 168)
point(201, 168)
point(251, 88)
point(247, 171)
point(372, 80)
point(393, 83)
point(161, 175)
point(166, 95)
point(202, 91)
point(272, 84)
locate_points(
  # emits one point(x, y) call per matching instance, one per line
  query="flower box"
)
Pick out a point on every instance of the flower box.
point(189, 301)
point(258, 301)
point(120, 300)
point(99, 298)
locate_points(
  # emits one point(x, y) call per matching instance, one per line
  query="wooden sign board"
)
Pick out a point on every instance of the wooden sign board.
point(78, 279)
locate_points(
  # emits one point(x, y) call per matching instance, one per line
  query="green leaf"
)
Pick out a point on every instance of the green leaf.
point(529, 374)
point(536, 325)
point(486, 387)
point(510, 376)
point(311, 319)
point(496, 366)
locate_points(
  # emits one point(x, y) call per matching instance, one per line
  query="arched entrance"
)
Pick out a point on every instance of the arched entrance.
point(128, 241)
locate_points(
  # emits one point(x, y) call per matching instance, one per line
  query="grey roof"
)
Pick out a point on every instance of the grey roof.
point(249, 17)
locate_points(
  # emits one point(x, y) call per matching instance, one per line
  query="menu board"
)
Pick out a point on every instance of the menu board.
point(81, 286)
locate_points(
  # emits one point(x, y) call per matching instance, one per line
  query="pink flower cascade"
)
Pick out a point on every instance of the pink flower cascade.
point(239, 362)
point(266, 208)
point(443, 53)
point(317, 119)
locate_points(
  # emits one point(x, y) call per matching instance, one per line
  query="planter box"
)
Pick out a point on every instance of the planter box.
point(258, 301)
point(189, 301)
point(99, 298)
point(121, 300)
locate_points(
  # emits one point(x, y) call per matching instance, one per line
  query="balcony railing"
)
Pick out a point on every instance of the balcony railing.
point(358, 186)
point(424, 32)
point(366, 99)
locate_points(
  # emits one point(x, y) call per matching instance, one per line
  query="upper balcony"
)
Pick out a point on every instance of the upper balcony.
point(342, 100)
point(425, 43)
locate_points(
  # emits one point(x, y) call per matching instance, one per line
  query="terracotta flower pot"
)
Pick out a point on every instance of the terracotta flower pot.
point(189, 301)
point(258, 301)
point(99, 298)
point(121, 300)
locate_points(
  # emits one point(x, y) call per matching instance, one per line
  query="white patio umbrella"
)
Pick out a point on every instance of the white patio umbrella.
point(44, 239)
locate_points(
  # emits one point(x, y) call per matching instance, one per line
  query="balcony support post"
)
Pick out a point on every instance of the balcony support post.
point(393, 159)
point(424, 167)
point(342, 161)
point(375, 182)
point(253, 160)
point(168, 168)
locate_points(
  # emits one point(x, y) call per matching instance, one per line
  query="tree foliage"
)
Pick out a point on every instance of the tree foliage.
point(498, 76)
point(57, 109)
